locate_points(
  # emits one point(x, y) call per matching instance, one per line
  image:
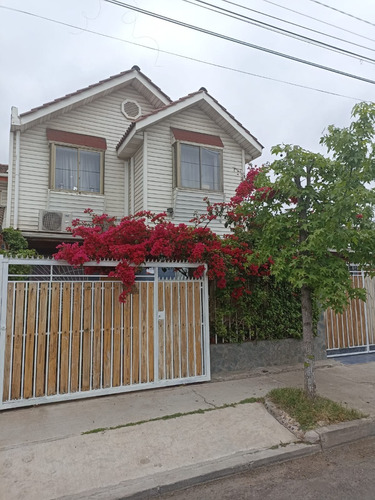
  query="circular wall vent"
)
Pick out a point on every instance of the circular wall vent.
point(131, 109)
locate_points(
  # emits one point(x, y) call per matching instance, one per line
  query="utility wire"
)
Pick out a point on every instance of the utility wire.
point(220, 66)
point(240, 17)
point(298, 25)
point(240, 42)
point(343, 12)
point(316, 19)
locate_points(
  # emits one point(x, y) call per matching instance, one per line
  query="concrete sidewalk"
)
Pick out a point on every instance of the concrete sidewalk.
point(44, 455)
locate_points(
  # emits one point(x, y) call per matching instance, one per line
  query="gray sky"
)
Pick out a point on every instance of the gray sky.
point(41, 60)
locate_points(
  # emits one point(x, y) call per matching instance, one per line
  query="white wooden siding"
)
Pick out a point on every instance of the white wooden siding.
point(161, 194)
point(101, 118)
point(188, 203)
point(75, 203)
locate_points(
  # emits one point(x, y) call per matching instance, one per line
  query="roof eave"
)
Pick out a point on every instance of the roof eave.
point(84, 96)
point(130, 145)
point(252, 147)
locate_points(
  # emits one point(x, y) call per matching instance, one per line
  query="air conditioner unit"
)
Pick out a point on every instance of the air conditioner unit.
point(54, 221)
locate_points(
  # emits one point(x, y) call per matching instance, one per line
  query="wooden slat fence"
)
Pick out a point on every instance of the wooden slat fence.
point(354, 329)
point(69, 339)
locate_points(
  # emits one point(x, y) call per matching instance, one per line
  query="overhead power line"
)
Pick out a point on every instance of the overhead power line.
point(343, 12)
point(245, 19)
point(306, 28)
point(220, 66)
point(318, 20)
point(240, 42)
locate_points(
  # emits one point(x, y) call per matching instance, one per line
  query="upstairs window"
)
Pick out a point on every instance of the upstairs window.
point(200, 168)
point(198, 165)
point(77, 169)
point(79, 165)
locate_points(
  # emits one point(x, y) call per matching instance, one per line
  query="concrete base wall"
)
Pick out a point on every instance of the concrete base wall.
point(241, 357)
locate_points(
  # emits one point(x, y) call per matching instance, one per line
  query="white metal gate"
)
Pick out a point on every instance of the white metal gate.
point(353, 331)
point(65, 335)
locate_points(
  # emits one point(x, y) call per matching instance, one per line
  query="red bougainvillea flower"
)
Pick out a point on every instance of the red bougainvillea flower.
point(151, 237)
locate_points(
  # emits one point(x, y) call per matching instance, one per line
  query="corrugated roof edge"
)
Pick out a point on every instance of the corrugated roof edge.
point(79, 91)
point(202, 90)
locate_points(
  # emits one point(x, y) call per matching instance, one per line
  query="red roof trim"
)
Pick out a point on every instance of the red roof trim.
point(77, 139)
point(189, 136)
point(5, 179)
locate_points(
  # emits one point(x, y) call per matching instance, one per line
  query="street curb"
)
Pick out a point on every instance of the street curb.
point(328, 436)
point(345, 432)
point(185, 477)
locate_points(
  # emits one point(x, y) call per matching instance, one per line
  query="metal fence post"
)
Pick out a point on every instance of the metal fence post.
point(365, 309)
point(206, 325)
point(4, 266)
point(156, 324)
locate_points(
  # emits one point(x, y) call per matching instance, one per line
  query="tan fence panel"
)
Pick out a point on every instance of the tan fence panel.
point(355, 327)
point(180, 332)
point(74, 338)
point(8, 341)
point(370, 307)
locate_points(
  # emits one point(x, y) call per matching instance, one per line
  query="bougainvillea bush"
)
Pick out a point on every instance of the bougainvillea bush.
point(146, 237)
point(245, 303)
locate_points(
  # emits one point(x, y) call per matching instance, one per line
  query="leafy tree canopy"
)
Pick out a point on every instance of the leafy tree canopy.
point(314, 214)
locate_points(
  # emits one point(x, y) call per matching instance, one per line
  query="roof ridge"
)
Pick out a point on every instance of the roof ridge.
point(93, 85)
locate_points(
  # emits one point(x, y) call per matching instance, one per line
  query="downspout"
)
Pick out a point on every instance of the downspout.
point(17, 180)
point(10, 179)
point(132, 184)
point(15, 125)
point(145, 179)
point(243, 163)
point(126, 188)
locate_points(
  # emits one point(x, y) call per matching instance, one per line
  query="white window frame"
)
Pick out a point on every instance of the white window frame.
point(78, 148)
point(177, 164)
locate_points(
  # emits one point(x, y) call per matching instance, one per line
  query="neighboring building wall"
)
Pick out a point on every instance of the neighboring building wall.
point(101, 118)
point(185, 202)
point(3, 193)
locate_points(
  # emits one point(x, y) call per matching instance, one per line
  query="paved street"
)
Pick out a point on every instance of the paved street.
point(343, 473)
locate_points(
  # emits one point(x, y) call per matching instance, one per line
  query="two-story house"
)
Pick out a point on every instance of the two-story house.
point(120, 146)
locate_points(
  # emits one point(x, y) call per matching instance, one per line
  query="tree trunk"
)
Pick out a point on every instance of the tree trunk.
point(308, 342)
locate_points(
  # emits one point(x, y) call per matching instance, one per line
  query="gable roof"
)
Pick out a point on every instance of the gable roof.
point(132, 138)
point(133, 76)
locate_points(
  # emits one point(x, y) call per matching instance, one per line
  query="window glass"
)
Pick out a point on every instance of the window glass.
point(89, 171)
point(190, 169)
point(66, 169)
point(77, 169)
point(210, 169)
point(200, 168)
